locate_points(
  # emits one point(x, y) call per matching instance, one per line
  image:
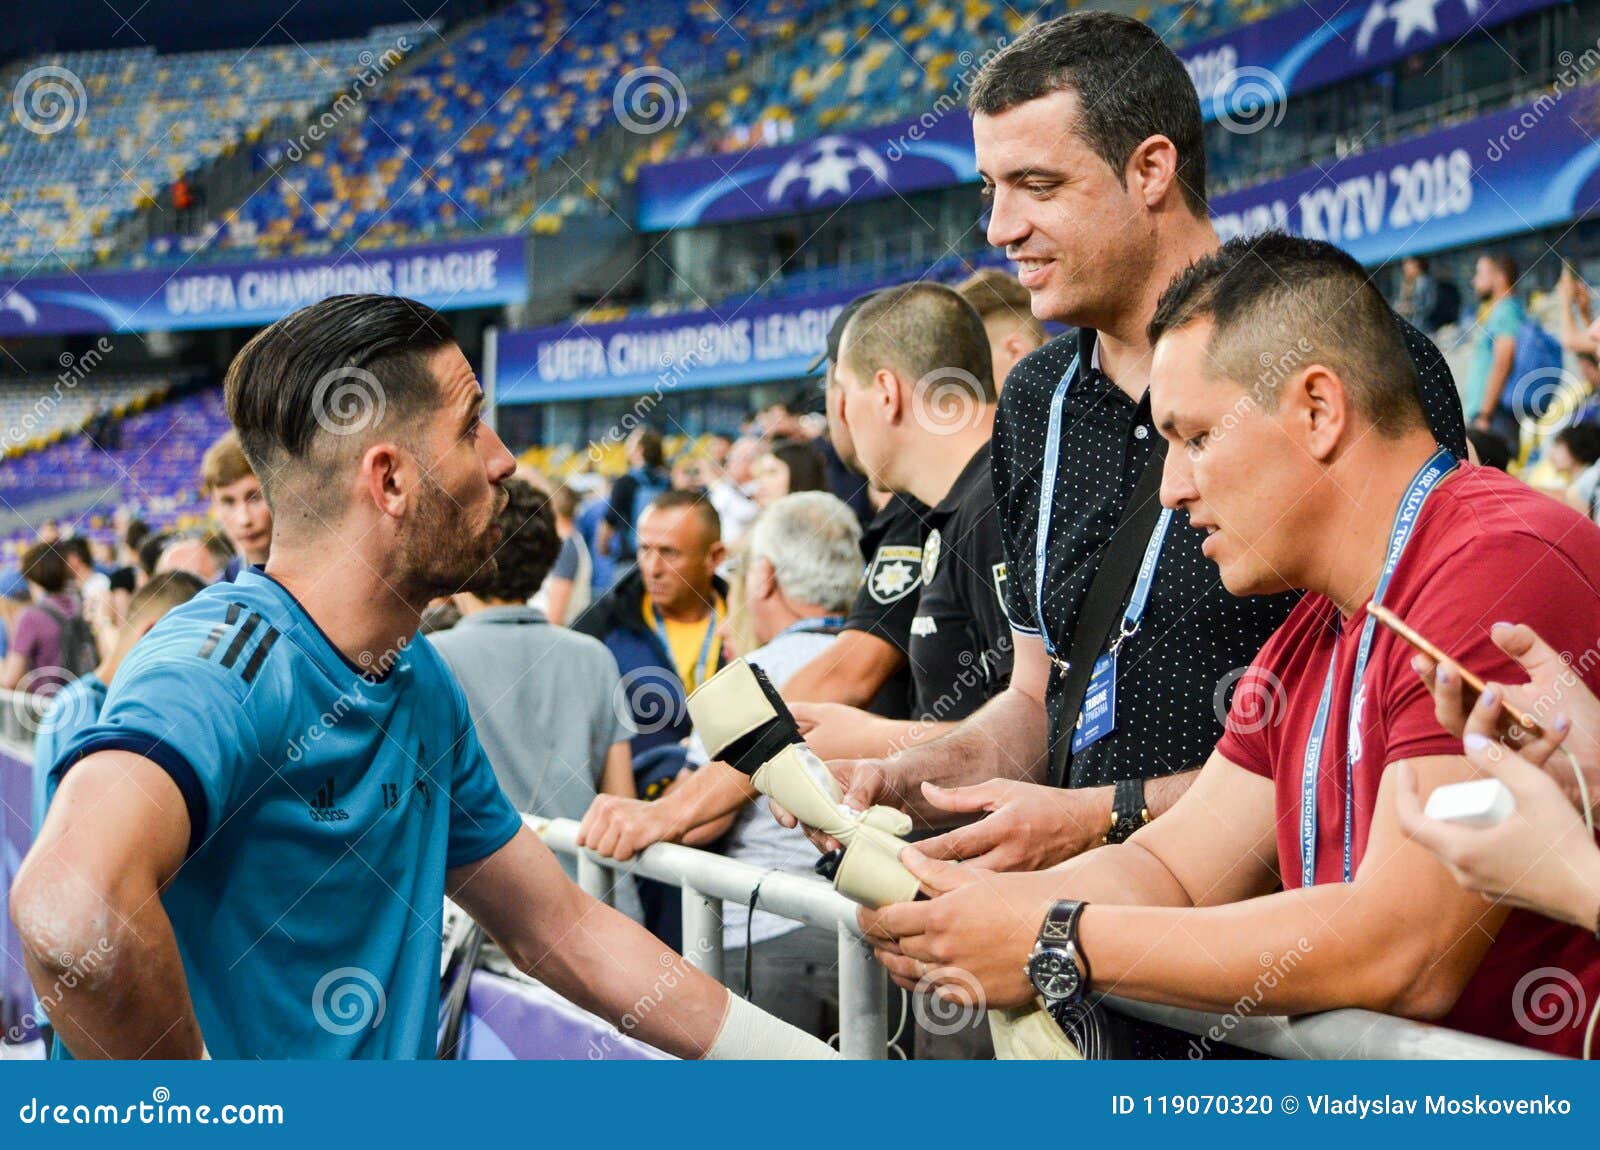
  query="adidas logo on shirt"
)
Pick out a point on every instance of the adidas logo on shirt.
point(322, 808)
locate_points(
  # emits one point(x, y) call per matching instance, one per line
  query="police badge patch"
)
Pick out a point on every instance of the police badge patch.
point(894, 573)
point(999, 572)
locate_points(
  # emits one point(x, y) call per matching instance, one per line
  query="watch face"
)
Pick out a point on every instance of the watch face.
point(1054, 974)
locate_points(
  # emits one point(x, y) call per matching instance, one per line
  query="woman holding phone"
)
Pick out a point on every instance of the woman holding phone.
point(1544, 856)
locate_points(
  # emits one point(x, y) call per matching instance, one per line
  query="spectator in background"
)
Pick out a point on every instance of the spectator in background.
point(1493, 451)
point(35, 656)
point(203, 554)
point(77, 705)
point(730, 490)
point(237, 504)
point(688, 472)
point(127, 576)
point(661, 622)
point(788, 468)
point(150, 551)
point(14, 599)
point(566, 590)
point(802, 565)
point(1573, 451)
point(93, 587)
point(1006, 308)
point(1494, 350)
point(542, 698)
point(1577, 313)
point(1418, 293)
point(647, 477)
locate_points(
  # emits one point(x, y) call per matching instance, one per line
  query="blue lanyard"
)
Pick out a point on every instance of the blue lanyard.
point(833, 623)
point(1047, 494)
point(1147, 578)
point(1041, 535)
point(704, 659)
point(1422, 485)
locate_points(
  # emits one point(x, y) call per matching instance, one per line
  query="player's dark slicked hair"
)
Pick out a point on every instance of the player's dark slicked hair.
point(318, 378)
point(1130, 86)
point(1278, 304)
point(923, 331)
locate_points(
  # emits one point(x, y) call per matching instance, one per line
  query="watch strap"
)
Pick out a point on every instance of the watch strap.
point(1059, 931)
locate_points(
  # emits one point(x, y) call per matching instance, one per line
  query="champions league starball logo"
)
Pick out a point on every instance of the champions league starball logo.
point(1408, 17)
point(834, 164)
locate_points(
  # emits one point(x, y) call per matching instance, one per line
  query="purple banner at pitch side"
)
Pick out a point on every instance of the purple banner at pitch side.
point(1530, 167)
point(931, 151)
point(468, 273)
point(16, 804)
point(1309, 45)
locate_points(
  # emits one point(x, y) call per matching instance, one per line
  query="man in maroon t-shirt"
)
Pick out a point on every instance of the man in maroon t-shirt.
point(1297, 442)
point(33, 660)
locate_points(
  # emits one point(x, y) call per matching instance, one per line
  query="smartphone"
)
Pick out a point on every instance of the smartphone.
point(1472, 686)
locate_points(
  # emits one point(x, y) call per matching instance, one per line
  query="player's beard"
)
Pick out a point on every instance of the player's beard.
point(446, 551)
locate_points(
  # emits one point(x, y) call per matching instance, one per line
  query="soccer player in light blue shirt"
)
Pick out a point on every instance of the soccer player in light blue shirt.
point(259, 832)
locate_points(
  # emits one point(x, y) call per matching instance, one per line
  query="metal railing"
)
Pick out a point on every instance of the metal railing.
point(708, 879)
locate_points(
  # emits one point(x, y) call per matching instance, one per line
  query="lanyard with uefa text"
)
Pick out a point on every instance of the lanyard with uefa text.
point(823, 624)
point(1422, 485)
point(1041, 535)
point(706, 648)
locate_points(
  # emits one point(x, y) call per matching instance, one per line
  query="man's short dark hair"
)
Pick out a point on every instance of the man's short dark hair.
point(45, 565)
point(695, 499)
point(318, 378)
point(1130, 86)
point(135, 533)
point(1506, 263)
point(150, 550)
point(924, 332)
point(1582, 441)
point(76, 545)
point(652, 449)
point(528, 544)
point(162, 593)
point(1279, 304)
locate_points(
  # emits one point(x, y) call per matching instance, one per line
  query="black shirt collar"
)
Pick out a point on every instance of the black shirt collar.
point(976, 470)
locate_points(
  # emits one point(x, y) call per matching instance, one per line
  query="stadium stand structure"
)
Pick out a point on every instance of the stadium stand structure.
point(153, 467)
point(88, 158)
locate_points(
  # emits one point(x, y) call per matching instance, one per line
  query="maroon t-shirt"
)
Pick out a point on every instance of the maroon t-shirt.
point(1487, 548)
point(38, 640)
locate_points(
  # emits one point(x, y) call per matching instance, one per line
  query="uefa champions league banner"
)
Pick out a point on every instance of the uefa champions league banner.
point(1531, 167)
point(469, 273)
point(749, 342)
point(931, 151)
point(1323, 41)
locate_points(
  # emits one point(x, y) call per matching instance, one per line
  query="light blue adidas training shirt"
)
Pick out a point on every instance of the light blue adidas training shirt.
point(324, 807)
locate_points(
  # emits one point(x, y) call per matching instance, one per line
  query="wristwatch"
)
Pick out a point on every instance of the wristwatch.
point(1058, 970)
point(1128, 810)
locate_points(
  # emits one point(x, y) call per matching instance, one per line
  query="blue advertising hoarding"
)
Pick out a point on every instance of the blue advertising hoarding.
point(1526, 168)
point(932, 151)
point(467, 273)
point(752, 342)
point(1320, 42)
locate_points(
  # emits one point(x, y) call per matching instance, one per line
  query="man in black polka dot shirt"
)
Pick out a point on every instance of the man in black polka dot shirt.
point(1088, 137)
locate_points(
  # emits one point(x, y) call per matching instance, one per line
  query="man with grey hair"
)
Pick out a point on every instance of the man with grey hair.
point(802, 568)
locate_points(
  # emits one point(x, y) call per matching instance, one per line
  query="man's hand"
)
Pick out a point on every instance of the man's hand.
point(1027, 826)
point(974, 931)
point(835, 731)
point(620, 828)
point(865, 783)
point(1555, 694)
